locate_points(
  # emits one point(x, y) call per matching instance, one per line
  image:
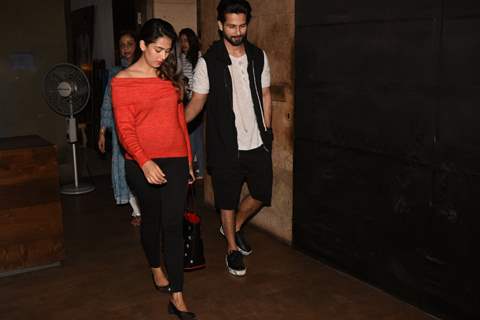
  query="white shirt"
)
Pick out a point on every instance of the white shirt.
point(248, 134)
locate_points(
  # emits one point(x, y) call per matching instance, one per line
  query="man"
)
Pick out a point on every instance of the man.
point(233, 80)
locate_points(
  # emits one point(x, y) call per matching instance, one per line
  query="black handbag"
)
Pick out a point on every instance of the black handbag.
point(194, 258)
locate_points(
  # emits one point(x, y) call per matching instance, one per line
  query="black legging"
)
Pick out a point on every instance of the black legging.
point(162, 208)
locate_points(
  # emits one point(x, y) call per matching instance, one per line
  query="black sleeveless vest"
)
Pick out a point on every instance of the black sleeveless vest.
point(221, 134)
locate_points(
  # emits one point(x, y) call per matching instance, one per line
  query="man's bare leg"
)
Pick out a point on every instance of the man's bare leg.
point(248, 207)
point(228, 225)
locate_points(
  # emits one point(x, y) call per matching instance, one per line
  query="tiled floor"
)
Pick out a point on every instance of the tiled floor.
point(105, 276)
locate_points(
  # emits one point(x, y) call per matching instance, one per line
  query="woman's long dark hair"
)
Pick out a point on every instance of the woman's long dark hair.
point(193, 45)
point(157, 28)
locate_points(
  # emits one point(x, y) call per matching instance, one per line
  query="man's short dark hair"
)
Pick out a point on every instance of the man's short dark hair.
point(233, 6)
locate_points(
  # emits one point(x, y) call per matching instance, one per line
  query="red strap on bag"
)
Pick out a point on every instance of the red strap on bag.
point(192, 217)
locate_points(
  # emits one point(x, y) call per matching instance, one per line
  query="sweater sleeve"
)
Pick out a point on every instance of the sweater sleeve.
point(125, 123)
point(183, 124)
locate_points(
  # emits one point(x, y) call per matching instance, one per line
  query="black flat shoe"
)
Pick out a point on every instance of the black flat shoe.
point(164, 289)
point(182, 315)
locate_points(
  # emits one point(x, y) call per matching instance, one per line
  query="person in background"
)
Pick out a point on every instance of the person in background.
point(189, 54)
point(123, 195)
point(150, 119)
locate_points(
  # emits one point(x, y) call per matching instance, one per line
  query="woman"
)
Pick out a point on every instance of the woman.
point(121, 192)
point(190, 52)
point(151, 126)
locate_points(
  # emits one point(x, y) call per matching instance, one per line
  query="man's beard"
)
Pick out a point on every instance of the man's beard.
point(235, 41)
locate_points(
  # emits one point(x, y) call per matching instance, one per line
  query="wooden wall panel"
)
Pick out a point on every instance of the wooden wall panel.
point(20, 225)
point(31, 227)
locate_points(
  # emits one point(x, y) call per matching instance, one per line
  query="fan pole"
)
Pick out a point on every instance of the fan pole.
point(76, 188)
point(75, 171)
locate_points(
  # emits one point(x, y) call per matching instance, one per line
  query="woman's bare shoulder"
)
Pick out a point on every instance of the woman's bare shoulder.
point(124, 74)
point(131, 72)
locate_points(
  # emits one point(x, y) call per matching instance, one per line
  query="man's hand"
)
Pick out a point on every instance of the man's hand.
point(195, 106)
point(153, 173)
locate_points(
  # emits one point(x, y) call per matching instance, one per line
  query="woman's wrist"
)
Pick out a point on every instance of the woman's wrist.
point(102, 131)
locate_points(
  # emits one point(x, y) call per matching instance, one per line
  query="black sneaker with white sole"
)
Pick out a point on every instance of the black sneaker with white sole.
point(242, 244)
point(235, 265)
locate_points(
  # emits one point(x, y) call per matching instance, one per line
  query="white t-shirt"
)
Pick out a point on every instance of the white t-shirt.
point(248, 134)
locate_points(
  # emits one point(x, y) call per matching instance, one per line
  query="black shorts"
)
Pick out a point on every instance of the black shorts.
point(255, 168)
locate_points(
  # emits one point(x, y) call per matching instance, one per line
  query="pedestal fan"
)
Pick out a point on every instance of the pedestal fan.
point(66, 91)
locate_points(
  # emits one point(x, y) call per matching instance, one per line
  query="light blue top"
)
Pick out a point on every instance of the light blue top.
point(121, 191)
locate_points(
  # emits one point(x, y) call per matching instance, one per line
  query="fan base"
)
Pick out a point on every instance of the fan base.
point(72, 189)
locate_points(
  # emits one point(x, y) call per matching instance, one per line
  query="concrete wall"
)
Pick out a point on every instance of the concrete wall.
point(34, 40)
point(272, 29)
point(180, 13)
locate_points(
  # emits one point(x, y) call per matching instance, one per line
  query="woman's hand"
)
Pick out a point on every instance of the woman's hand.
point(191, 174)
point(153, 173)
point(101, 141)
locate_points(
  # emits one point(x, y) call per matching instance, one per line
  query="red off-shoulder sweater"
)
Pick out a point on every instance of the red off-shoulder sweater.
point(149, 120)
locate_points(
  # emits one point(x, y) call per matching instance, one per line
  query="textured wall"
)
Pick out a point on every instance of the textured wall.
point(272, 29)
point(36, 29)
point(180, 13)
